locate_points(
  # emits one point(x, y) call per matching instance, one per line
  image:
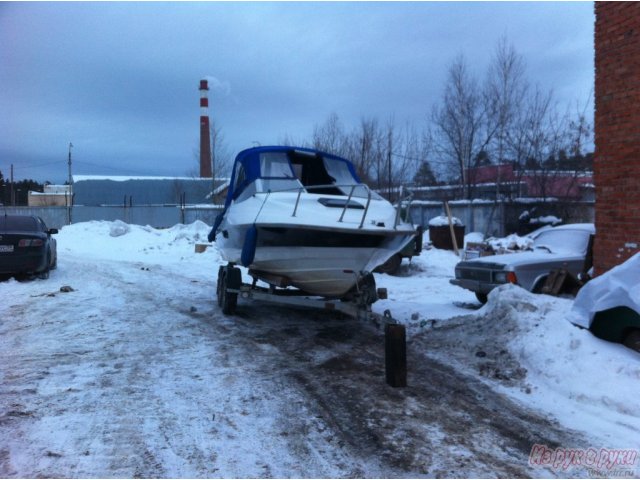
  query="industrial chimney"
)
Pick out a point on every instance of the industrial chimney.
point(205, 136)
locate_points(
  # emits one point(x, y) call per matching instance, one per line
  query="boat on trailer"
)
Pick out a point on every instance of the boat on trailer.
point(298, 217)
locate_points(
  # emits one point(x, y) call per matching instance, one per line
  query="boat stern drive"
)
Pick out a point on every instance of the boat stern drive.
point(302, 218)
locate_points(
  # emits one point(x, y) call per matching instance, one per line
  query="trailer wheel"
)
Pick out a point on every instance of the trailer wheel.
point(230, 278)
point(368, 289)
point(219, 286)
point(482, 297)
point(391, 266)
point(632, 340)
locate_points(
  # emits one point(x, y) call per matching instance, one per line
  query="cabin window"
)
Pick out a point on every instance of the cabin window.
point(344, 179)
point(310, 170)
point(275, 165)
point(276, 174)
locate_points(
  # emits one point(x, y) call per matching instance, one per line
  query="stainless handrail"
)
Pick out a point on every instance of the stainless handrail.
point(347, 203)
point(295, 209)
point(366, 208)
point(398, 208)
point(309, 188)
point(401, 202)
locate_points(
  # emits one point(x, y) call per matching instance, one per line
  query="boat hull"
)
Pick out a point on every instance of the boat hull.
point(329, 271)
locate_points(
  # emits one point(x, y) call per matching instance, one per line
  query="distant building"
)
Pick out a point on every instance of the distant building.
point(53, 196)
point(493, 182)
point(93, 190)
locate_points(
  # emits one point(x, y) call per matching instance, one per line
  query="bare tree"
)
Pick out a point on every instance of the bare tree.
point(330, 136)
point(505, 90)
point(460, 122)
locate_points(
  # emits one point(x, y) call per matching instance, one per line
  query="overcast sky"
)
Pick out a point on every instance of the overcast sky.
point(120, 80)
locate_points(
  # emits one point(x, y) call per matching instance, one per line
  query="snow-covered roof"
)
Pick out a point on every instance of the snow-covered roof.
point(125, 178)
point(48, 194)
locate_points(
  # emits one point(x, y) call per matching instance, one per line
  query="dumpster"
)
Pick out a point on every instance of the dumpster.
point(440, 234)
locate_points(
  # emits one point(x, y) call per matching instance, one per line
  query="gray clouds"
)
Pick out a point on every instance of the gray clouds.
point(120, 80)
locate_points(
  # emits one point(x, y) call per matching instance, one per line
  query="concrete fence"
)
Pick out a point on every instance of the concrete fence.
point(502, 218)
point(487, 217)
point(155, 216)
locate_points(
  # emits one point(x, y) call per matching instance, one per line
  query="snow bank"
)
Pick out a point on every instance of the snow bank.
point(522, 344)
point(120, 241)
point(587, 383)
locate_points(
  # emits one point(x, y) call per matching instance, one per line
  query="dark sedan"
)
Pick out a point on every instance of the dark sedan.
point(26, 246)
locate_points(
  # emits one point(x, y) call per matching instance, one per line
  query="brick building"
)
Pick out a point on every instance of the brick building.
point(617, 133)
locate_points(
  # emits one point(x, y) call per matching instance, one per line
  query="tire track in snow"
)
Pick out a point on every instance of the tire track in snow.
point(155, 382)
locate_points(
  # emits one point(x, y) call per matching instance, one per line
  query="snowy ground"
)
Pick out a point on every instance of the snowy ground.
point(136, 373)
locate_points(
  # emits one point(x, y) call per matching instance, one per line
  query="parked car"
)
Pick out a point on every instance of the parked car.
point(609, 305)
point(26, 246)
point(564, 247)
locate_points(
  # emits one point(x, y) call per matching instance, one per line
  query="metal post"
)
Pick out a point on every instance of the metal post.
point(13, 197)
point(395, 356)
point(347, 204)
point(70, 181)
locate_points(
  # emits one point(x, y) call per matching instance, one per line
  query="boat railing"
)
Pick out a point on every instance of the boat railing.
point(401, 202)
point(347, 204)
point(352, 188)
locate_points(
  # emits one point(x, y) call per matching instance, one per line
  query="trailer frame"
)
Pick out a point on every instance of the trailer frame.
point(357, 305)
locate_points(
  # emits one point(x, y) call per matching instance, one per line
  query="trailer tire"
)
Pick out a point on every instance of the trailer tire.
point(632, 340)
point(228, 300)
point(391, 266)
point(368, 289)
point(219, 286)
point(229, 277)
point(482, 297)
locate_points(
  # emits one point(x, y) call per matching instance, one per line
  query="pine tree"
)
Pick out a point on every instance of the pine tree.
point(424, 175)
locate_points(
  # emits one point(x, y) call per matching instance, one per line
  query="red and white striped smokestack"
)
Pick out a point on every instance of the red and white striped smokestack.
point(205, 135)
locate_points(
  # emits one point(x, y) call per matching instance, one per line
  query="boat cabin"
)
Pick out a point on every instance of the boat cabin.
point(279, 169)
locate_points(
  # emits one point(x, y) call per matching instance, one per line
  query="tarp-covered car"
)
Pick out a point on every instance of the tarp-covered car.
point(564, 247)
point(26, 246)
point(609, 305)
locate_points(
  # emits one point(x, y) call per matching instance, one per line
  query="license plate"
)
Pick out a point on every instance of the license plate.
point(6, 248)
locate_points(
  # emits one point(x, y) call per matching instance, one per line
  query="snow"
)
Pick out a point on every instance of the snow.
point(473, 237)
point(126, 178)
point(134, 372)
point(443, 220)
point(547, 219)
point(586, 383)
point(619, 287)
point(510, 242)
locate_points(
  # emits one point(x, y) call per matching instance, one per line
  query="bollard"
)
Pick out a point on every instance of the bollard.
point(395, 354)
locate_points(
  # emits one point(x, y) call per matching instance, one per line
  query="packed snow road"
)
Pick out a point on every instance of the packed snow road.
point(134, 372)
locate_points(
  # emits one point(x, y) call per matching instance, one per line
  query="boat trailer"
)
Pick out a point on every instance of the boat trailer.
point(356, 304)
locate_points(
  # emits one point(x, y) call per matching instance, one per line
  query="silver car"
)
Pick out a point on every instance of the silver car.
point(563, 247)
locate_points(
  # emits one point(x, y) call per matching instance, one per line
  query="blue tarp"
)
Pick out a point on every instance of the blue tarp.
point(249, 163)
point(249, 159)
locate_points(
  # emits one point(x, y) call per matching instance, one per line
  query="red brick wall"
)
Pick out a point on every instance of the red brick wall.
point(617, 133)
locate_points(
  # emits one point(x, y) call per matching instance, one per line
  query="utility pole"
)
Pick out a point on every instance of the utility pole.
point(70, 178)
point(70, 197)
point(13, 197)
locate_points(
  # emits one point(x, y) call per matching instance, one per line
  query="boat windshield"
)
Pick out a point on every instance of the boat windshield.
point(276, 173)
point(281, 171)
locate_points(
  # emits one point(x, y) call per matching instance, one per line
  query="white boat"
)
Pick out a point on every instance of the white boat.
point(301, 218)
